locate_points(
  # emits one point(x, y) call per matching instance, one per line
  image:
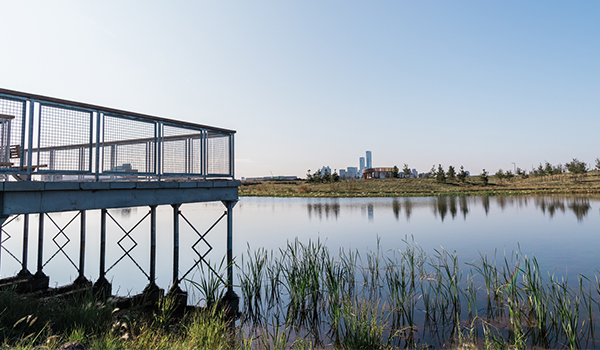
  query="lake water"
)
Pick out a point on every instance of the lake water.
point(562, 232)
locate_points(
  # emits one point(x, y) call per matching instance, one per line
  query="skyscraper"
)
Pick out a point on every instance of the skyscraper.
point(369, 163)
point(361, 161)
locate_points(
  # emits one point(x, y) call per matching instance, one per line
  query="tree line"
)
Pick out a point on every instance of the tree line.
point(322, 176)
point(574, 167)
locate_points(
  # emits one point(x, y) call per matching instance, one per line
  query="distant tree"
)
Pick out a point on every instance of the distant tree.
point(317, 176)
point(499, 174)
point(597, 163)
point(484, 177)
point(309, 176)
point(335, 177)
point(395, 172)
point(548, 169)
point(326, 176)
point(577, 167)
point(509, 175)
point(539, 171)
point(433, 172)
point(521, 172)
point(462, 174)
point(440, 175)
point(406, 170)
point(451, 172)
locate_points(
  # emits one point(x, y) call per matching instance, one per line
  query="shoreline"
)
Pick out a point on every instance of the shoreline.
point(564, 184)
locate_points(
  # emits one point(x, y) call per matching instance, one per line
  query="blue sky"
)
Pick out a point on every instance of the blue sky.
point(313, 83)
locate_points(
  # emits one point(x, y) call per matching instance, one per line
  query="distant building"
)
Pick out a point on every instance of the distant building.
point(377, 173)
point(325, 168)
point(369, 160)
point(352, 172)
point(361, 162)
point(343, 173)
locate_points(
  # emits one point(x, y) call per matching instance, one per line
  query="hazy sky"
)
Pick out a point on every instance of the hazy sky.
point(313, 83)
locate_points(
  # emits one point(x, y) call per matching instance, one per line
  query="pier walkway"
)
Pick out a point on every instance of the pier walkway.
point(58, 155)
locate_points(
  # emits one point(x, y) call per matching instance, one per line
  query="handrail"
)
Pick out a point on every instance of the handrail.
point(42, 98)
point(60, 137)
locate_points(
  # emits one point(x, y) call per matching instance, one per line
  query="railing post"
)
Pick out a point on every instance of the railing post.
point(231, 157)
point(23, 133)
point(159, 145)
point(98, 128)
point(30, 141)
point(90, 169)
point(205, 153)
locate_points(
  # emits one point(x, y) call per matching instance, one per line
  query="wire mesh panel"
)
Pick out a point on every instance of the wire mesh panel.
point(129, 146)
point(72, 138)
point(218, 153)
point(181, 150)
point(64, 139)
point(11, 120)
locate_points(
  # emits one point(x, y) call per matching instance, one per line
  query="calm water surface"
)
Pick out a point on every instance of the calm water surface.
point(562, 232)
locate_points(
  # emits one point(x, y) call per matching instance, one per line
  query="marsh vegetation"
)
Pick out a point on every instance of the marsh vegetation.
point(404, 298)
point(303, 296)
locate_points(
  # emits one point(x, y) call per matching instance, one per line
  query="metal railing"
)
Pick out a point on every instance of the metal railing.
point(44, 138)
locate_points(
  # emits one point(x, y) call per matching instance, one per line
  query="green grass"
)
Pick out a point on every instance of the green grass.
point(554, 184)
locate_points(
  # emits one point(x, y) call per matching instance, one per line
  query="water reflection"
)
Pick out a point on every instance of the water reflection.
point(447, 207)
point(396, 208)
point(464, 207)
point(581, 207)
point(407, 208)
point(318, 209)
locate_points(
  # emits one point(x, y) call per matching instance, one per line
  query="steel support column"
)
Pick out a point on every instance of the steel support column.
point(40, 256)
point(102, 243)
point(81, 278)
point(231, 300)
point(176, 245)
point(230, 205)
point(153, 245)
point(40, 280)
point(102, 286)
point(24, 271)
point(152, 292)
point(179, 295)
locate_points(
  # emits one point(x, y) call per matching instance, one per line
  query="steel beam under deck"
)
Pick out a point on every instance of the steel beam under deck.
point(48, 197)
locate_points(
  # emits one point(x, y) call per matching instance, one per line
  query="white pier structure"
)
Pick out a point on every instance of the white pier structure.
point(58, 155)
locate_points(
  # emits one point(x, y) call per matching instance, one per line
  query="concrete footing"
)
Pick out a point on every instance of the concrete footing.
point(25, 283)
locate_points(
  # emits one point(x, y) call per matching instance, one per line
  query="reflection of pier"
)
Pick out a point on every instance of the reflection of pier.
point(58, 156)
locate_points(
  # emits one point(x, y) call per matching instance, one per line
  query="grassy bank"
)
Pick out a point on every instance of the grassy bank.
point(29, 323)
point(304, 297)
point(473, 186)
